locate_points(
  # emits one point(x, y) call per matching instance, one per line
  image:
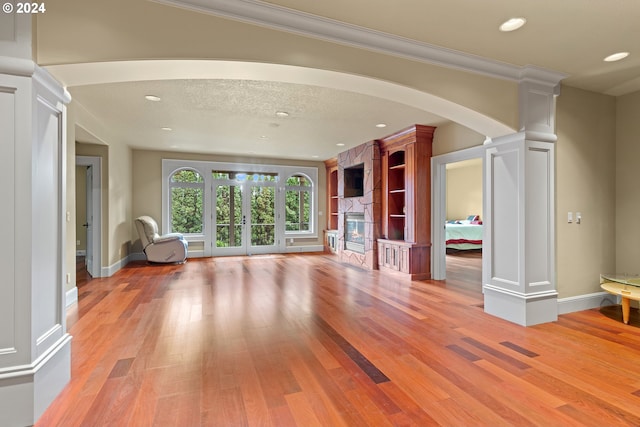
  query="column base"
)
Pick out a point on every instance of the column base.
point(26, 391)
point(523, 309)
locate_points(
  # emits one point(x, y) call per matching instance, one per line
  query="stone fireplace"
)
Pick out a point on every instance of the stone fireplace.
point(359, 211)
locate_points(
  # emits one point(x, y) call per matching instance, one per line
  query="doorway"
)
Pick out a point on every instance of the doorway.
point(244, 213)
point(440, 214)
point(88, 212)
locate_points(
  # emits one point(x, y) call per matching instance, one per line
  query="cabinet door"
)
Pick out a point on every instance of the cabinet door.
point(395, 255)
point(381, 253)
point(404, 259)
point(388, 256)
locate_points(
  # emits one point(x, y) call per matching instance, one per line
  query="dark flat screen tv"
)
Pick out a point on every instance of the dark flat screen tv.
point(354, 181)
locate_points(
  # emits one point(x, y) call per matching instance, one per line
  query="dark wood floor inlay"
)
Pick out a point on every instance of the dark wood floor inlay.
point(365, 364)
point(464, 353)
point(498, 354)
point(519, 349)
point(121, 368)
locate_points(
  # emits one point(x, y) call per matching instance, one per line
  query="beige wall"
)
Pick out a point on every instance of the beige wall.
point(586, 183)
point(120, 203)
point(147, 185)
point(454, 137)
point(627, 202)
point(464, 189)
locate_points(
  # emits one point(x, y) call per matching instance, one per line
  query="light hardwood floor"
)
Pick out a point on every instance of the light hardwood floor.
point(301, 340)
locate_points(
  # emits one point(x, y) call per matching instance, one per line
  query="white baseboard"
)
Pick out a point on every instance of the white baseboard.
point(27, 390)
point(584, 302)
point(81, 252)
point(137, 256)
point(71, 296)
point(310, 248)
point(115, 267)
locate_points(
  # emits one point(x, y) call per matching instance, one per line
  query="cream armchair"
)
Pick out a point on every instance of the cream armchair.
point(167, 248)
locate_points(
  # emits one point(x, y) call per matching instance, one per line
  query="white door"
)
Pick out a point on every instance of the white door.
point(260, 208)
point(93, 207)
point(88, 260)
point(244, 212)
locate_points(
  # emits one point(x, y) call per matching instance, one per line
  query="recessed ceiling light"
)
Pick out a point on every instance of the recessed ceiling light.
point(340, 144)
point(282, 114)
point(381, 125)
point(512, 24)
point(616, 56)
point(167, 129)
point(264, 137)
point(315, 156)
point(152, 98)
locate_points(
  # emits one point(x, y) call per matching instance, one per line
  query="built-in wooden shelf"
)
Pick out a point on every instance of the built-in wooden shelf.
point(406, 202)
point(332, 194)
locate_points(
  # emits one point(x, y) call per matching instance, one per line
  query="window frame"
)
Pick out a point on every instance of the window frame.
point(197, 185)
point(205, 168)
point(311, 188)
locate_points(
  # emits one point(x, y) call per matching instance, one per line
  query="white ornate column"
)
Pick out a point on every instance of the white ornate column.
point(519, 268)
point(35, 348)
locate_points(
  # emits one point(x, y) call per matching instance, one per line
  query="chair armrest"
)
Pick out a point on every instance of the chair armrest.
point(168, 238)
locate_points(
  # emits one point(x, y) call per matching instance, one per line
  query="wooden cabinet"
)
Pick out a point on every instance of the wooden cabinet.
point(331, 240)
point(406, 202)
point(405, 257)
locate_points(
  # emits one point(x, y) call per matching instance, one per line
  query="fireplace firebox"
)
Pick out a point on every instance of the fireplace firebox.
point(354, 232)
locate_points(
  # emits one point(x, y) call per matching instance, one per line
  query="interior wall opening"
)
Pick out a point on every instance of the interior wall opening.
point(464, 223)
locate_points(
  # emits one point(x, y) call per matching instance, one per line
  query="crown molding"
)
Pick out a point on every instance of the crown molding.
point(49, 82)
point(302, 23)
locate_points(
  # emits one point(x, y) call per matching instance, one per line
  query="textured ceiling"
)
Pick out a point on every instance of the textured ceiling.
point(232, 116)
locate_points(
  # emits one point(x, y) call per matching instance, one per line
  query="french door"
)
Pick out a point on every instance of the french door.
point(244, 214)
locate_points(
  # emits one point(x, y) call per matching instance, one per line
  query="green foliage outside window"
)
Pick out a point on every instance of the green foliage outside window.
point(228, 216)
point(263, 221)
point(187, 196)
point(187, 206)
point(298, 204)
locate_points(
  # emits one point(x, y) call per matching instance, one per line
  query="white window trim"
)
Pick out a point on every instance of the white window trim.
point(313, 188)
point(199, 185)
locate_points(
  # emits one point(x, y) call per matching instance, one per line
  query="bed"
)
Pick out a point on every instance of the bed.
point(463, 234)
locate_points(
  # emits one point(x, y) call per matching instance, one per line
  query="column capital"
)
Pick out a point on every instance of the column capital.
point(538, 89)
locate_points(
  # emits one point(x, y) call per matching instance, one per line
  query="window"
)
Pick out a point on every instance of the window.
point(225, 208)
point(186, 189)
point(298, 192)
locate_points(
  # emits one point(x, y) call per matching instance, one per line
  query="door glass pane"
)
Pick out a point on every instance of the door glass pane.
point(263, 223)
point(228, 216)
